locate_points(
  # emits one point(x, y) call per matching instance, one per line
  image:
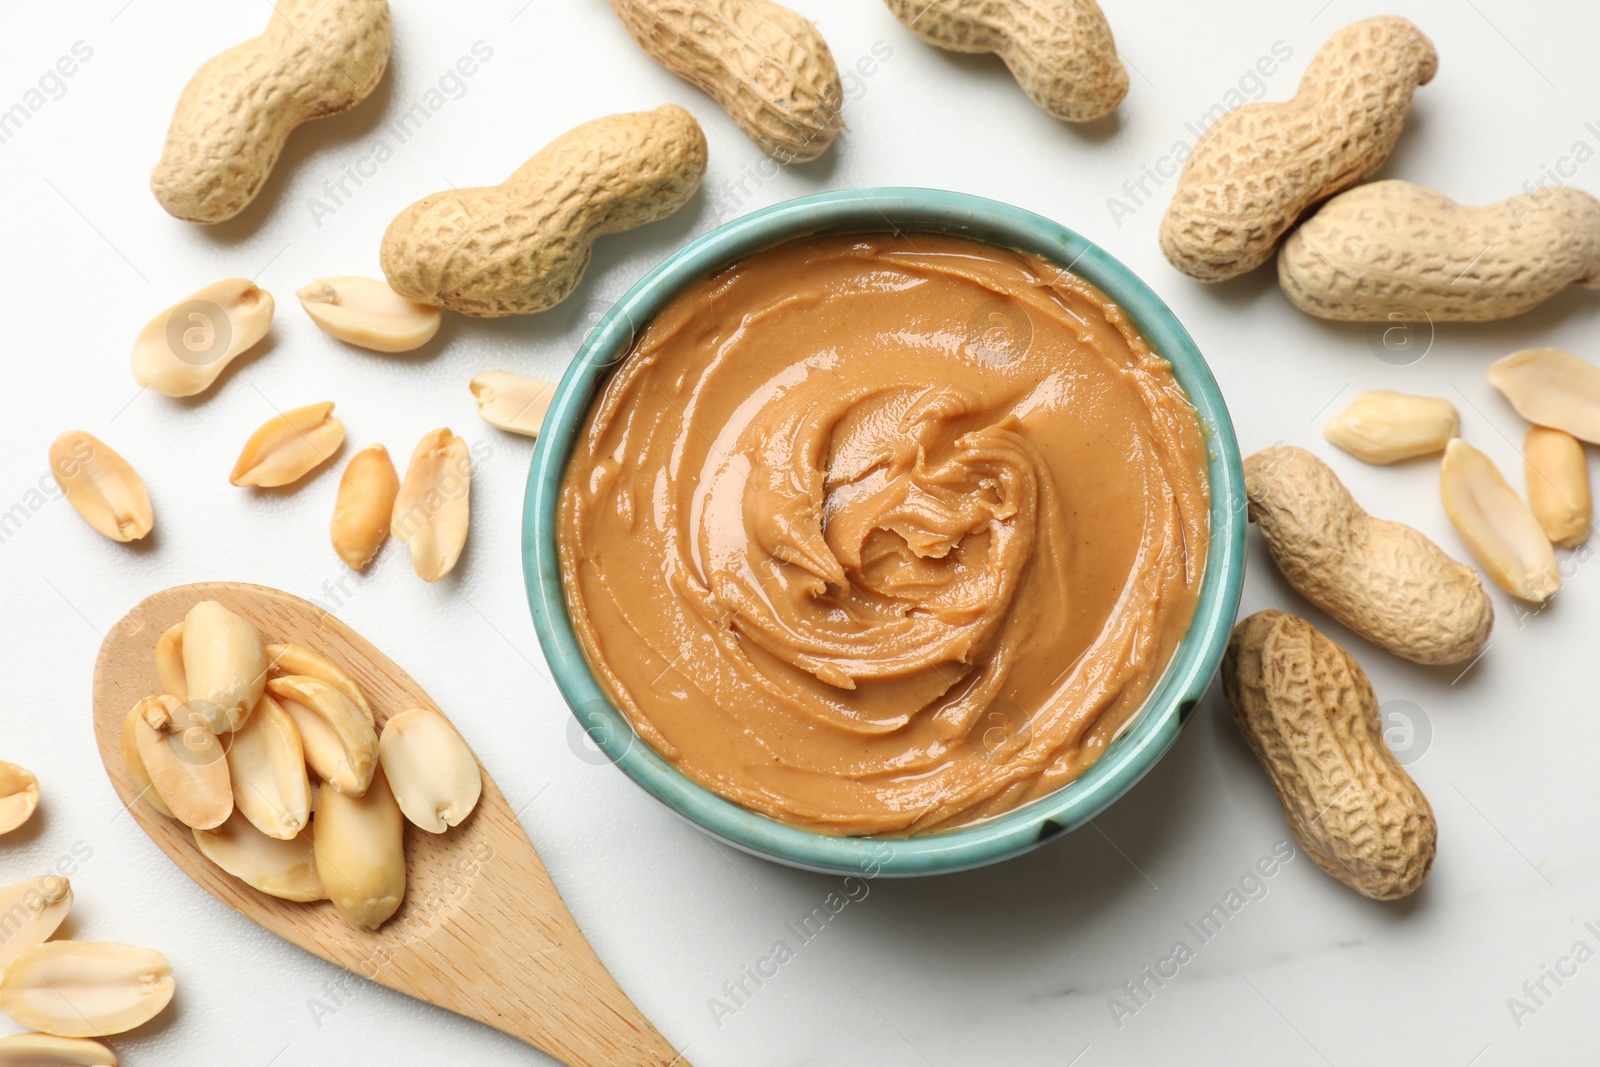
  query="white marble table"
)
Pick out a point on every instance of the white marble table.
point(1025, 963)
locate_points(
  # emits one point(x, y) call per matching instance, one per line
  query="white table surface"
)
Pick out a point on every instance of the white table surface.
point(1015, 964)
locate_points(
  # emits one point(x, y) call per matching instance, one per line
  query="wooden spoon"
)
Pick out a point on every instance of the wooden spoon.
point(482, 931)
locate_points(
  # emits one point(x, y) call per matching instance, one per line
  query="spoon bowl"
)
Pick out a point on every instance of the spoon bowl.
point(482, 930)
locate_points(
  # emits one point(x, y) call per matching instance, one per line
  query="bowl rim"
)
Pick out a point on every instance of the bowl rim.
point(884, 210)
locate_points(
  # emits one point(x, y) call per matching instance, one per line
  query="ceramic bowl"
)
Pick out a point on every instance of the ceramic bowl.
point(1124, 762)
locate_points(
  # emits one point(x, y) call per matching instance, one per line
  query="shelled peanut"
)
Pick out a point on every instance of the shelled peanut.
point(1550, 387)
point(1512, 540)
point(431, 507)
point(513, 402)
point(69, 990)
point(1556, 473)
point(48, 1050)
point(273, 757)
point(35, 909)
point(1498, 528)
point(80, 989)
point(185, 349)
point(1385, 427)
point(289, 446)
point(367, 313)
point(102, 487)
point(362, 511)
point(19, 796)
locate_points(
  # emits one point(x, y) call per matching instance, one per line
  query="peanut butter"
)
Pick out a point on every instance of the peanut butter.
point(881, 534)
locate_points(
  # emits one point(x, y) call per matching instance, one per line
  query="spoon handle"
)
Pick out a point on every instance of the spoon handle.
point(508, 953)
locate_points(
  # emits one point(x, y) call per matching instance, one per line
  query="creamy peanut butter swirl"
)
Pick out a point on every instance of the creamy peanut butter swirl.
point(880, 534)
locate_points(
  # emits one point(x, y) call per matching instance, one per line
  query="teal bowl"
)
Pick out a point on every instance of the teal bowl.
point(1124, 762)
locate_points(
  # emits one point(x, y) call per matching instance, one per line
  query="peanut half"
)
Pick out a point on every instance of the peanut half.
point(183, 350)
point(361, 512)
point(1549, 387)
point(1384, 427)
point(1385, 581)
point(19, 796)
point(101, 486)
point(48, 1050)
point(136, 771)
point(367, 313)
point(316, 58)
point(297, 659)
point(360, 852)
point(86, 988)
point(1310, 716)
point(521, 246)
point(767, 67)
point(30, 913)
point(186, 765)
point(281, 868)
point(1496, 525)
point(432, 509)
point(289, 446)
point(513, 402)
point(1060, 51)
point(267, 766)
point(1392, 248)
point(224, 667)
point(431, 770)
point(169, 662)
point(341, 744)
point(1557, 476)
point(325, 754)
point(1260, 167)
